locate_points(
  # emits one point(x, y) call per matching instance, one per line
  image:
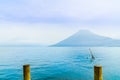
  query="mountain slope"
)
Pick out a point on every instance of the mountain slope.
point(87, 38)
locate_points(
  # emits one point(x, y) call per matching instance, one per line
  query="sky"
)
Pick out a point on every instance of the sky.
point(50, 21)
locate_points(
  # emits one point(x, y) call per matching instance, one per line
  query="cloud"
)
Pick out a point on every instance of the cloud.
point(49, 21)
point(58, 10)
point(19, 33)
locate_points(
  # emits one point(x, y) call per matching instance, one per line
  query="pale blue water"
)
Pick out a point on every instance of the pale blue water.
point(58, 63)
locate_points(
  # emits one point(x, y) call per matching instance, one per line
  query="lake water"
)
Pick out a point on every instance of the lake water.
point(59, 63)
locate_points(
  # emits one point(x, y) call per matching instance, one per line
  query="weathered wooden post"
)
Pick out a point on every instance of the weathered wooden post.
point(26, 72)
point(98, 73)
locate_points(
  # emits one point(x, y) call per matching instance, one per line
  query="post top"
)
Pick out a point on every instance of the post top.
point(97, 66)
point(26, 65)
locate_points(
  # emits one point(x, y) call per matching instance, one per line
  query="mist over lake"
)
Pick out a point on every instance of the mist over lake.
point(59, 63)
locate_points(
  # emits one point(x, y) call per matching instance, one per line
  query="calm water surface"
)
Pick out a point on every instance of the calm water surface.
point(59, 63)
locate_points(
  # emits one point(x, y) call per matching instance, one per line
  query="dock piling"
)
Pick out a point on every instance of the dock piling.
point(98, 73)
point(26, 72)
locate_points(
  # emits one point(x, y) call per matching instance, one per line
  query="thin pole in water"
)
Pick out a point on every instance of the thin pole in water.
point(92, 56)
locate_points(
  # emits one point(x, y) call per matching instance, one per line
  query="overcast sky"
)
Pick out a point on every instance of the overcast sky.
point(50, 21)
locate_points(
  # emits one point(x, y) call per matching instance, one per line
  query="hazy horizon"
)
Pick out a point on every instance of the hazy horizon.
point(50, 21)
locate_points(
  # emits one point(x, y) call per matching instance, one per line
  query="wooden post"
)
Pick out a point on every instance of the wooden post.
point(26, 72)
point(98, 73)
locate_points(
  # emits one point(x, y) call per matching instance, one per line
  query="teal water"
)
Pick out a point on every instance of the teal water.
point(59, 63)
